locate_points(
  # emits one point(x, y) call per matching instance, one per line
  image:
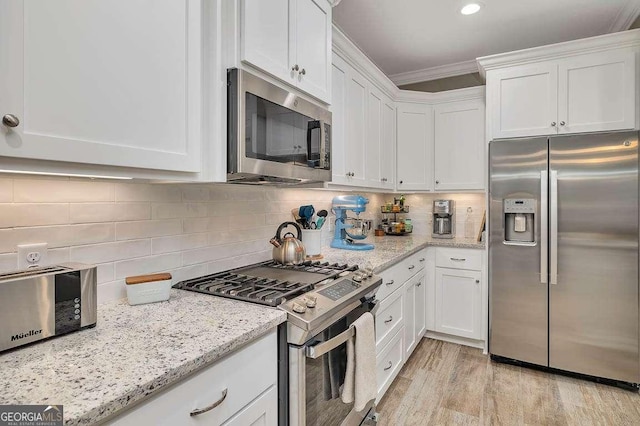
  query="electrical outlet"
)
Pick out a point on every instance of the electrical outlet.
point(31, 255)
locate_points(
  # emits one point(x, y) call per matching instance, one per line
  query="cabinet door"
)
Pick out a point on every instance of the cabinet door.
point(312, 29)
point(420, 298)
point(460, 145)
point(410, 341)
point(339, 78)
point(261, 412)
point(356, 121)
point(103, 82)
point(373, 141)
point(388, 145)
point(597, 92)
point(414, 166)
point(458, 303)
point(523, 100)
point(265, 44)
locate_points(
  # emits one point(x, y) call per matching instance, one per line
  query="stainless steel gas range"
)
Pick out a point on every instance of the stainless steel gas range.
point(322, 300)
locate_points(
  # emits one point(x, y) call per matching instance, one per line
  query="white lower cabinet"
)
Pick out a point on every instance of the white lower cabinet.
point(458, 304)
point(388, 363)
point(415, 313)
point(244, 383)
point(400, 317)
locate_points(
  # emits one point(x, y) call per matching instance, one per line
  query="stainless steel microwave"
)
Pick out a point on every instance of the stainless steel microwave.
point(273, 135)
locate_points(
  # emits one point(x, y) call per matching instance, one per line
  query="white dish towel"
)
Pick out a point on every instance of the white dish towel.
point(360, 385)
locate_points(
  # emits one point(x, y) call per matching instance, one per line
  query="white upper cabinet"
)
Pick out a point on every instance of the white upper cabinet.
point(339, 76)
point(356, 126)
point(414, 164)
point(373, 142)
point(597, 92)
point(291, 40)
point(588, 85)
point(388, 145)
point(265, 36)
point(113, 83)
point(459, 145)
point(524, 101)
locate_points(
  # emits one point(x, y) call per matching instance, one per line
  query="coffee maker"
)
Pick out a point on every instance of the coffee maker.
point(444, 225)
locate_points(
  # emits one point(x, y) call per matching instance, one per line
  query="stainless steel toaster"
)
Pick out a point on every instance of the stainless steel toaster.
point(39, 303)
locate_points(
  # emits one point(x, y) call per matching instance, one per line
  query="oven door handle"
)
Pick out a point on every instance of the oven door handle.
point(316, 351)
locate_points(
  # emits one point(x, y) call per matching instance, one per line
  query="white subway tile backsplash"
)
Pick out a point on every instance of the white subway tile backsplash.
point(109, 252)
point(187, 229)
point(146, 229)
point(147, 192)
point(65, 235)
point(148, 265)
point(8, 262)
point(6, 190)
point(12, 215)
point(52, 191)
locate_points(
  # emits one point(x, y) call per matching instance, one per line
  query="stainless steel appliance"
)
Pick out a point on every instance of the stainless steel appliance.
point(563, 254)
point(273, 135)
point(321, 301)
point(444, 222)
point(39, 303)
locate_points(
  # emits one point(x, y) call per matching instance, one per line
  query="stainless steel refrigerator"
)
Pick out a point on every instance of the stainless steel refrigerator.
point(563, 253)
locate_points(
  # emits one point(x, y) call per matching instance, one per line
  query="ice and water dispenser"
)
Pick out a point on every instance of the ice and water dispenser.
point(519, 220)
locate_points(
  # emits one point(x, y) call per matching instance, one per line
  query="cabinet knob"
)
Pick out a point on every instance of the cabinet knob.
point(295, 68)
point(562, 123)
point(477, 281)
point(302, 71)
point(437, 182)
point(10, 120)
point(553, 124)
point(400, 182)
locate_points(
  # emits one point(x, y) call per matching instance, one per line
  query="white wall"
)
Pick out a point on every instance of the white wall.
point(186, 229)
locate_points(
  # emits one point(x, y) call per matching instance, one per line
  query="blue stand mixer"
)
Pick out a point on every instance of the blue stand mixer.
point(349, 229)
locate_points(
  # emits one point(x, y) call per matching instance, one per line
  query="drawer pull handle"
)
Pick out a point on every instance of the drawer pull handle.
point(458, 259)
point(390, 282)
point(422, 259)
point(198, 411)
point(389, 366)
point(412, 266)
point(389, 320)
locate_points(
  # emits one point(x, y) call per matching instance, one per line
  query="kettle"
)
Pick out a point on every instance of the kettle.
point(288, 249)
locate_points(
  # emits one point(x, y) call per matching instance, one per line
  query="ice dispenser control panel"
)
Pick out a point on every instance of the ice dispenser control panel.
point(519, 220)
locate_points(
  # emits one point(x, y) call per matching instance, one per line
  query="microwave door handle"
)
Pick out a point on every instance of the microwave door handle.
point(320, 349)
point(311, 126)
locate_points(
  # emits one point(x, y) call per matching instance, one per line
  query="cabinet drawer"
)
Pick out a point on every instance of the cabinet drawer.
point(245, 374)
point(394, 277)
point(389, 363)
point(389, 319)
point(459, 258)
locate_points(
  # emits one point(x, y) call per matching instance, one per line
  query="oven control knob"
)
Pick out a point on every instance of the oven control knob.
point(357, 278)
point(298, 308)
point(310, 301)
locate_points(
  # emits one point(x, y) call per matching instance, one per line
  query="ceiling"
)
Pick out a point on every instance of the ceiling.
point(405, 36)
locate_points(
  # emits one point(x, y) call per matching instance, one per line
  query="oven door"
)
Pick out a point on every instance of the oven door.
point(273, 132)
point(316, 376)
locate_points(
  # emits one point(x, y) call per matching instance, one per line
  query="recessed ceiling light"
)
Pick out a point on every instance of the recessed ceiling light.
point(470, 8)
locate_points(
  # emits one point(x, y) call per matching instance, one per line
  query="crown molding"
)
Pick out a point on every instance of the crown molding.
point(433, 98)
point(435, 73)
point(625, 17)
point(619, 40)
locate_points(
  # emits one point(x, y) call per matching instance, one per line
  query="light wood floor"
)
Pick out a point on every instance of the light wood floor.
point(448, 384)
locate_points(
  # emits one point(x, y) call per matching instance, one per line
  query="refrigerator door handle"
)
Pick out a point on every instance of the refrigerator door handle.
point(544, 223)
point(553, 246)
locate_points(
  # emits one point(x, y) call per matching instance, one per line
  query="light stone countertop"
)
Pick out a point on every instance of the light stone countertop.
point(132, 352)
point(390, 250)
